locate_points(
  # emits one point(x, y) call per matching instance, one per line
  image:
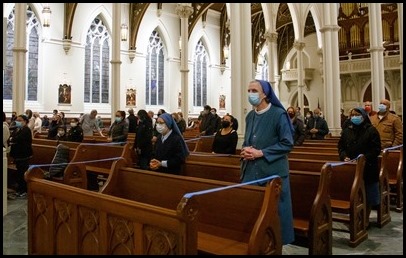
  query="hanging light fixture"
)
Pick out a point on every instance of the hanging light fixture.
point(124, 32)
point(46, 13)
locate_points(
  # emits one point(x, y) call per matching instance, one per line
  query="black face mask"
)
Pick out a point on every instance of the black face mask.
point(225, 124)
point(291, 115)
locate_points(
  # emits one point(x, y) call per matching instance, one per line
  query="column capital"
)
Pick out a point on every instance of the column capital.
point(271, 37)
point(299, 45)
point(184, 10)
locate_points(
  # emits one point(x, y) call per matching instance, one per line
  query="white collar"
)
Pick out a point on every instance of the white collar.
point(263, 110)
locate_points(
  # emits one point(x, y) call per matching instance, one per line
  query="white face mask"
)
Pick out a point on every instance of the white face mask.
point(73, 124)
point(161, 128)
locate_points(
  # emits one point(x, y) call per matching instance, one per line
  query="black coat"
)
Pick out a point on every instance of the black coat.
point(362, 139)
point(21, 143)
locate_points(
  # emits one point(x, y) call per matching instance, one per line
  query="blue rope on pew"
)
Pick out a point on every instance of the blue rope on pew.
point(78, 162)
point(335, 164)
point(188, 195)
point(394, 147)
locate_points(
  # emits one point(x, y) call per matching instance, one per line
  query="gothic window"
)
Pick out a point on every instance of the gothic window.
point(154, 92)
point(97, 65)
point(31, 88)
point(200, 75)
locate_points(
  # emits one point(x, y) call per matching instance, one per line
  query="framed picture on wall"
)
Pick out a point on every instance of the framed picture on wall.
point(222, 102)
point(64, 94)
point(131, 97)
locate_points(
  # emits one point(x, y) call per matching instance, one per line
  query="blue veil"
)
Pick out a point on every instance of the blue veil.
point(170, 122)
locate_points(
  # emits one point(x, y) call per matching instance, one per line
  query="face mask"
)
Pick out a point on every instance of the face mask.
point(225, 124)
point(73, 124)
point(19, 124)
point(253, 98)
point(118, 119)
point(368, 109)
point(61, 133)
point(161, 128)
point(356, 120)
point(291, 115)
point(308, 116)
point(382, 108)
point(213, 112)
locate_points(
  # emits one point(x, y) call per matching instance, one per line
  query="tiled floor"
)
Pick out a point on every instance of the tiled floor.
point(381, 241)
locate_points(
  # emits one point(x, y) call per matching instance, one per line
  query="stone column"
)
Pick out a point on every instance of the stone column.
point(241, 61)
point(299, 46)
point(115, 60)
point(19, 58)
point(272, 44)
point(376, 49)
point(331, 68)
point(184, 10)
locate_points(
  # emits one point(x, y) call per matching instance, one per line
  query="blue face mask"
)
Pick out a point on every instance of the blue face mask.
point(382, 108)
point(356, 120)
point(118, 119)
point(253, 98)
point(19, 124)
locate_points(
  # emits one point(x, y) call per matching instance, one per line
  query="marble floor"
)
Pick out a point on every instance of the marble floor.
point(381, 241)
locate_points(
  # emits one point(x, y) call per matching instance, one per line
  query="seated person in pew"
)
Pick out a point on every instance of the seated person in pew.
point(170, 148)
point(75, 133)
point(361, 137)
point(267, 142)
point(225, 140)
point(61, 134)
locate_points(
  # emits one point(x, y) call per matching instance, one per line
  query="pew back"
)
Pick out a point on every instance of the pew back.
point(231, 214)
point(67, 220)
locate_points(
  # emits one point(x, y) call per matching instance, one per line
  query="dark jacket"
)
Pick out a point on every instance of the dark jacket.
point(320, 124)
point(362, 139)
point(208, 124)
point(170, 150)
point(75, 134)
point(132, 123)
point(299, 131)
point(21, 143)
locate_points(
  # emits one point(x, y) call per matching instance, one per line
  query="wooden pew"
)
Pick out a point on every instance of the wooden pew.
point(313, 155)
point(312, 222)
point(392, 165)
point(63, 219)
point(204, 144)
point(347, 197)
point(239, 220)
point(316, 149)
point(311, 205)
point(82, 162)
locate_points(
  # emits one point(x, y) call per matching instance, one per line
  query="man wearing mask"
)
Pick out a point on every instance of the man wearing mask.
point(218, 119)
point(317, 127)
point(388, 125)
point(208, 124)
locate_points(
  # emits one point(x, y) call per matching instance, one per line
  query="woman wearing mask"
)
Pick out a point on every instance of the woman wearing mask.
point(75, 133)
point(170, 147)
point(118, 131)
point(225, 140)
point(267, 143)
point(143, 139)
point(298, 127)
point(21, 151)
point(361, 137)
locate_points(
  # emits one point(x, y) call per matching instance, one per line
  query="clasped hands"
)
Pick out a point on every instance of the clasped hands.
point(154, 164)
point(250, 153)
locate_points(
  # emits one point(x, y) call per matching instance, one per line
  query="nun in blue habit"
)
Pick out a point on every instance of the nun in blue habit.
point(267, 142)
